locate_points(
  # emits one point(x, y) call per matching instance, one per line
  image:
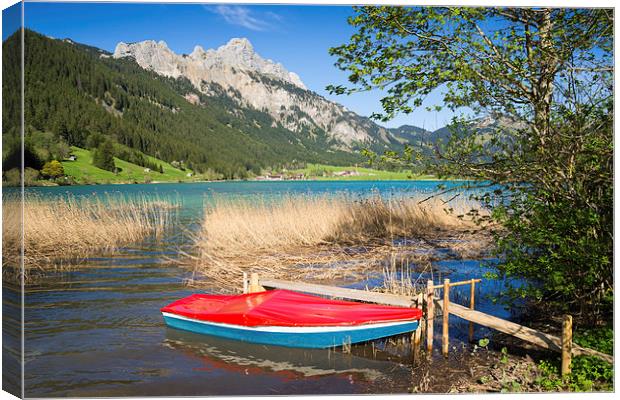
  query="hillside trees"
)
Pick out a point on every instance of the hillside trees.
point(103, 156)
point(550, 71)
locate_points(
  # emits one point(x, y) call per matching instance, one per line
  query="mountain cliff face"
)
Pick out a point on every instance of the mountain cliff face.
point(252, 81)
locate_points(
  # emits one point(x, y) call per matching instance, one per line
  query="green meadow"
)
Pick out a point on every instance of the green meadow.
point(330, 172)
point(83, 171)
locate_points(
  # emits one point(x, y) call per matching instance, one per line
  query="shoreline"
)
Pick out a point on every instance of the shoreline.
point(52, 184)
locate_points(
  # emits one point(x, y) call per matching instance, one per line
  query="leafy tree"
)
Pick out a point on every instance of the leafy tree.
point(12, 177)
point(94, 140)
point(31, 176)
point(547, 71)
point(103, 156)
point(53, 169)
point(60, 150)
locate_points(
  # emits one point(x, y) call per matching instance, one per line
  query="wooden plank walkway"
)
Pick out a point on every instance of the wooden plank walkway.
point(353, 294)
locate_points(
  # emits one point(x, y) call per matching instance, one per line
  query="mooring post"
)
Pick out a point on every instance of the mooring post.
point(472, 297)
point(445, 342)
point(254, 284)
point(430, 316)
point(417, 334)
point(567, 343)
point(245, 282)
point(422, 323)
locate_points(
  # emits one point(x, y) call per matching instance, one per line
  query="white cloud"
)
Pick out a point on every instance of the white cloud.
point(242, 16)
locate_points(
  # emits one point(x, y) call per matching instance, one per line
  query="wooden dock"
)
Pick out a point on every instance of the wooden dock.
point(429, 302)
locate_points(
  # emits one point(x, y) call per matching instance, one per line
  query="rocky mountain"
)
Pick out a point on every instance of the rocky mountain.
point(483, 125)
point(236, 70)
point(410, 133)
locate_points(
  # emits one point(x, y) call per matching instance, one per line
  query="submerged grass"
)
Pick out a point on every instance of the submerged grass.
point(290, 236)
point(58, 233)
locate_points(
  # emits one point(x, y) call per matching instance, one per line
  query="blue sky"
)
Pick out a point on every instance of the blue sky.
point(296, 36)
point(11, 19)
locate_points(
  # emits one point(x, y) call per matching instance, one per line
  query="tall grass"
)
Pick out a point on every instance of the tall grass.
point(60, 232)
point(272, 235)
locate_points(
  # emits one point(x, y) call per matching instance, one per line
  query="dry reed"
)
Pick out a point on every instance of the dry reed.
point(281, 237)
point(397, 279)
point(59, 233)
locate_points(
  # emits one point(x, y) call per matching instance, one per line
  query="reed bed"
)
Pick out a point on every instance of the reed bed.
point(292, 235)
point(59, 233)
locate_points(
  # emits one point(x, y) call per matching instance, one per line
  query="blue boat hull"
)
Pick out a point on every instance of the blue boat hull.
point(311, 337)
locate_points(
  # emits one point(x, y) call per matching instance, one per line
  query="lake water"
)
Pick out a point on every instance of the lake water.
point(97, 331)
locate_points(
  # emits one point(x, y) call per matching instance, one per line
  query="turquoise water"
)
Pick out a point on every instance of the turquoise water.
point(193, 196)
point(249, 188)
point(97, 331)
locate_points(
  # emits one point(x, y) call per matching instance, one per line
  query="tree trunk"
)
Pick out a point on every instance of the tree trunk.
point(543, 89)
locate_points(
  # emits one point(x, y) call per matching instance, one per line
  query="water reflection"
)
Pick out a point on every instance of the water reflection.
point(282, 362)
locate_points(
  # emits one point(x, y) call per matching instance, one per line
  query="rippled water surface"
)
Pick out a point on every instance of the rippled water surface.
point(97, 331)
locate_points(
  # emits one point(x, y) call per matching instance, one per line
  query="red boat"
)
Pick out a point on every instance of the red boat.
point(286, 318)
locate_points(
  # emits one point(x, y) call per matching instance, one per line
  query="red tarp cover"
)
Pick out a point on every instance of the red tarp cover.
point(285, 308)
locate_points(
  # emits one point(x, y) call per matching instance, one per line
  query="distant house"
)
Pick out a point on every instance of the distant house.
point(189, 174)
point(346, 173)
point(270, 177)
point(72, 157)
point(147, 170)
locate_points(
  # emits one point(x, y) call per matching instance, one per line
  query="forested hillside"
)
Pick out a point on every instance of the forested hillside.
point(77, 95)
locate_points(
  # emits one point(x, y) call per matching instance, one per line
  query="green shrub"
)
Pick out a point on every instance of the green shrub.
point(587, 374)
point(53, 169)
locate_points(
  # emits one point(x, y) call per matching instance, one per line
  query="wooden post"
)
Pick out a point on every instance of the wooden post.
point(430, 316)
point(567, 343)
point(445, 340)
point(422, 322)
point(245, 282)
point(254, 285)
point(472, 302)
point(417, 334)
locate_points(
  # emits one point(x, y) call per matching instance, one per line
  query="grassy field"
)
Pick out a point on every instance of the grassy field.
point(83, 171)
point(329, 172)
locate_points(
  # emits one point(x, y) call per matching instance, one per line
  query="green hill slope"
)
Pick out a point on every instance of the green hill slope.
point(83, 171)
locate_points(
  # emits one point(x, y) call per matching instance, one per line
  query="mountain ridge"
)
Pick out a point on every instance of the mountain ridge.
point(261, 84)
